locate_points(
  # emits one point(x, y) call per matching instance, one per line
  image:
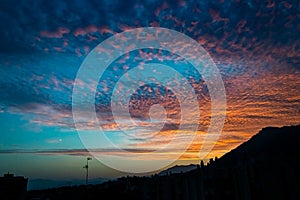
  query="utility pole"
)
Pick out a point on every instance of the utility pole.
point(87, 169)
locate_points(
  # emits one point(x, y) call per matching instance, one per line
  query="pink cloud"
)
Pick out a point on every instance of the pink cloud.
point(59, 33)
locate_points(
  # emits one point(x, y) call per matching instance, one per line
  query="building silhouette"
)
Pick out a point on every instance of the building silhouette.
point(13, 187)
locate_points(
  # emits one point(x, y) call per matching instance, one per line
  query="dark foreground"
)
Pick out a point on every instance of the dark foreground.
point(265, 167)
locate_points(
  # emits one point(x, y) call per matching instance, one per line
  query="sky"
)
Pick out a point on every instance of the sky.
point(254, 44)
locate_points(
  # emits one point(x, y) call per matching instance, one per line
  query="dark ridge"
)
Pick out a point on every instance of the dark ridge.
point(270, 141)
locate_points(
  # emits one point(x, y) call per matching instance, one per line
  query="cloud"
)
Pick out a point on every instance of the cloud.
point(59, 33)
point(255, 45)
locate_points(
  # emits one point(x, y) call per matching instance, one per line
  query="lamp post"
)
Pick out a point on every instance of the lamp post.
point(87, 169)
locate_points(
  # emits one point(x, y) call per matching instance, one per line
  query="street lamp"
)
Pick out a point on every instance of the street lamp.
point(87, 169)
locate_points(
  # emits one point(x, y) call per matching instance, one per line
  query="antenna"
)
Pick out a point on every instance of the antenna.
point(87, 169)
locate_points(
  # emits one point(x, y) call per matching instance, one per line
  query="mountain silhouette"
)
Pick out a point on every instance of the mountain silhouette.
point(177, 169)
point(40, 184)
point(265, 167)
point(269, 142)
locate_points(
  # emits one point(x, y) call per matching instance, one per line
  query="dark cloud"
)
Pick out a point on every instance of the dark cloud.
point(229, 25)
